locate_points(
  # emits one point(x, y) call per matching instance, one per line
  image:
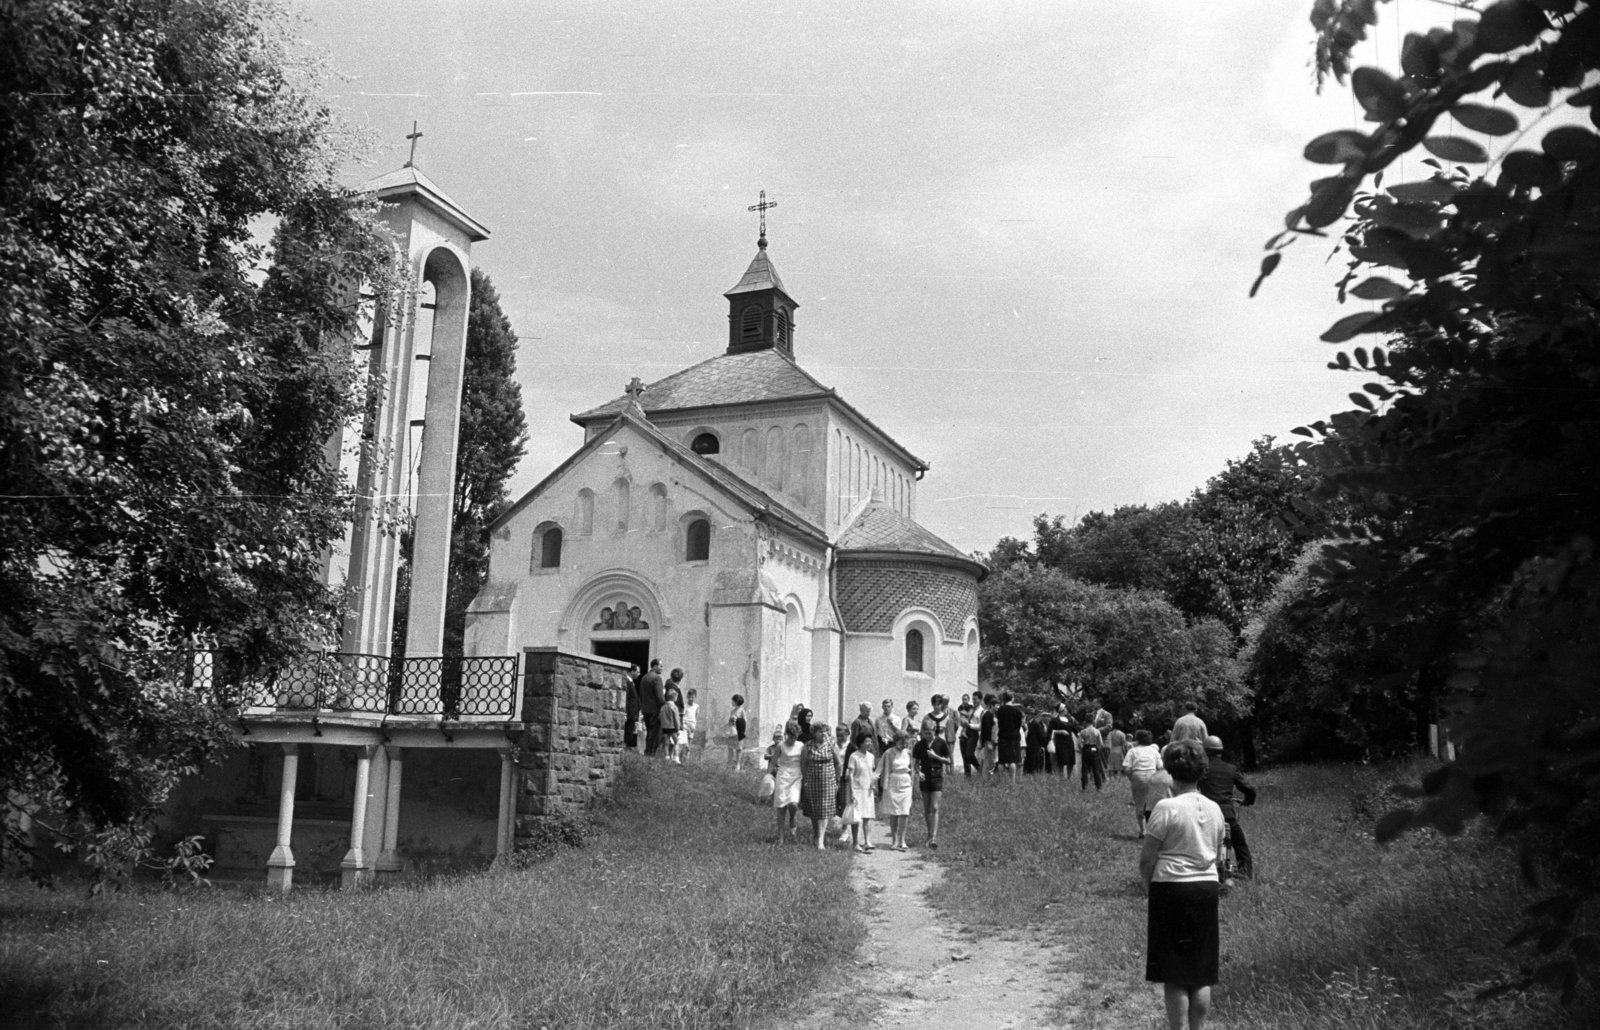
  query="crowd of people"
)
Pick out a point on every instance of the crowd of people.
point(843, 778)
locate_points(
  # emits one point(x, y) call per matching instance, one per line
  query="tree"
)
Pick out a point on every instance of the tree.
point(493, 439)
point(1130, 648)
point(163, 411)
point(1480, 425)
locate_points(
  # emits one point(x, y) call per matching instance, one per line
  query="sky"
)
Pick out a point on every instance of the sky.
point(1021, 234)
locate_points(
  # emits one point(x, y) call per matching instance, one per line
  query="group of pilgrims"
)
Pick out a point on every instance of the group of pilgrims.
point(1183, 794)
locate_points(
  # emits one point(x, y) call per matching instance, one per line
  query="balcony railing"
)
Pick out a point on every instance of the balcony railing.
point(336, 682)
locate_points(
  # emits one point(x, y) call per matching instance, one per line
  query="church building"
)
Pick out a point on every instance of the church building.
point(744, 522)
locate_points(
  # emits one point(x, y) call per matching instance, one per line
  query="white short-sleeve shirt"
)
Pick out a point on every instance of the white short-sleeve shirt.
point(1189, 828)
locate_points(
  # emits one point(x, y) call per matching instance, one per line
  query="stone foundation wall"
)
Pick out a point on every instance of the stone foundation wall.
point(571, 749)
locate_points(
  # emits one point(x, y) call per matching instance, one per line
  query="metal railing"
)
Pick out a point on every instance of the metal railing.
point(333, 682)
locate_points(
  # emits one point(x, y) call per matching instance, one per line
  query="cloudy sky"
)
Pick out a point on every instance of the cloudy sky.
point(1021, 234)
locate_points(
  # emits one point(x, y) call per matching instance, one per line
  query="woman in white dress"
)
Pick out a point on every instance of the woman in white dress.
point(894, 781)
point(786, 770)
point(863, 772)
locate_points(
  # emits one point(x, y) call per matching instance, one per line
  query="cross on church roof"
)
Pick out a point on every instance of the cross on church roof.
point(635, 388)
point(413, 137)
point(762, 207)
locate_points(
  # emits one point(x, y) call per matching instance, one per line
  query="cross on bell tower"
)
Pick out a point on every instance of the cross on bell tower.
point(760, 311)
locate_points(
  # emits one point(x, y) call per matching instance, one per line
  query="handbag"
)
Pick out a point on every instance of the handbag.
point(769, 784)
point(846, 798)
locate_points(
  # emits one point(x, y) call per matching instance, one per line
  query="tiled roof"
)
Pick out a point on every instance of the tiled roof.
point(880, 528)
point(761, 275)
point(763, 375)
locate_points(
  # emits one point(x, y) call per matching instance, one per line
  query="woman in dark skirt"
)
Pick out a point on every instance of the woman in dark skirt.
point(1182, 839)
point(820, 772)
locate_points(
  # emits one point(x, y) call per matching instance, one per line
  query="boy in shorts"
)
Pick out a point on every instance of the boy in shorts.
point(930, 757)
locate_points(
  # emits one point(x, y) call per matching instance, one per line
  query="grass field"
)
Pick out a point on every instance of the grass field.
point(677, 914)
point(1335, 933)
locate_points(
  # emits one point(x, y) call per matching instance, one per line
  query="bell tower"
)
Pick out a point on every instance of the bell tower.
point(416, 360)
point(760, 311)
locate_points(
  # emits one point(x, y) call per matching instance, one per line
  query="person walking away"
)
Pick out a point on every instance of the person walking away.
point(861, 770)
point(652, 695)
point(1062, 732)
point(1036, 741)
point(670, 725)
point(1219, 783)
point(787, 756)
point(988, 749)
point(1189, 726)
point(971, 727)
point(886, 726)
point(1102, 722)
point(1008, 722)
point(1178, 864)
point(1089, 757)
point(735, 732)
point(894, 788)
point(630, 728)
point(822, 771)
point(1116, 751)
point(1142, 763)
point(931, 755)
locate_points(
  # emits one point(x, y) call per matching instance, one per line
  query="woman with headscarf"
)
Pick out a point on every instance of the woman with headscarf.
point(1178, 864)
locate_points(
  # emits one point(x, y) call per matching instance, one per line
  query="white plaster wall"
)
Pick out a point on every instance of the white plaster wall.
point(855, 464)
point(875, 669)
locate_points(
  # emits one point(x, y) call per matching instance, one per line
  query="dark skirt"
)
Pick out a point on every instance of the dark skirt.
point(1182, 938)
point(1010, 754)
point(818, 786)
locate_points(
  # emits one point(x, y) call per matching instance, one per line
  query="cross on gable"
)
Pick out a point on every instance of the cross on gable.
point(413, 137)
point(763, 207)
point(635, 388)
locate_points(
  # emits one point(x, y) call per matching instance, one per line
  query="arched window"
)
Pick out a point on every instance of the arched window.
point(550, 548)
point(585, 511)
point(750, 324)
point(706, 443)
point(619, 502)
point(913, 650)
point(697, 541)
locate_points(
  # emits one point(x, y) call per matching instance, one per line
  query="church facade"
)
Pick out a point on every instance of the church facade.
point(744, 522)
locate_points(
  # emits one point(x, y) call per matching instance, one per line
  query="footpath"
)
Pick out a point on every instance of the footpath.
point(916, 970)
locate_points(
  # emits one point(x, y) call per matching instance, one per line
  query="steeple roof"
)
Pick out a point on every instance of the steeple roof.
point(880, 530)
point(761, 275)
point(410, 179)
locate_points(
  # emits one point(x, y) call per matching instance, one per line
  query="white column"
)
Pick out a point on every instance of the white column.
point(280, 867)
point(505, 836)
point(353, 871)
point(389, 860)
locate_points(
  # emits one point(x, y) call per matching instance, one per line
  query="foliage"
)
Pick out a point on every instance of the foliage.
point(1480, 426)
point(1216, 555)
point(1130, 648)
point(163, 409)
point(1324, 683)
point(493, 438)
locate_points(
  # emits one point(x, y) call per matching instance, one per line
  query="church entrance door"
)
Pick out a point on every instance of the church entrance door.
point(635, 651)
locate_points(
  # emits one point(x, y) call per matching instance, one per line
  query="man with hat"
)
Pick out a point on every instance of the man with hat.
point(1218, 784)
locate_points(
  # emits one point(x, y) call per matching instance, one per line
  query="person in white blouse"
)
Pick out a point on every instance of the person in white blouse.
point(1142, 763)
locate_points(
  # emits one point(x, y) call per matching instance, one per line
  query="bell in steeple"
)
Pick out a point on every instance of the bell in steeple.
point(760, 311)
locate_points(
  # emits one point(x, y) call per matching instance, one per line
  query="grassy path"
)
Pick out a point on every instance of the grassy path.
point(678, 914)
point(1336, 933)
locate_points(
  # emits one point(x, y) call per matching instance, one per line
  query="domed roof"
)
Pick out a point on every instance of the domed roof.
point(881, 531)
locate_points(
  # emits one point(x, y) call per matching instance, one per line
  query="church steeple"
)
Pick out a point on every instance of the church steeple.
point(760, 311)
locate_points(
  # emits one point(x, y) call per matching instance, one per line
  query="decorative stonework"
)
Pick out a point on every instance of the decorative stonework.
point(778, 551)
point(873, 593)
point(622, 617)
point(571, 748)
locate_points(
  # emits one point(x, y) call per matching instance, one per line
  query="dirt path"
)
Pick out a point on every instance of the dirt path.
point(922, 972)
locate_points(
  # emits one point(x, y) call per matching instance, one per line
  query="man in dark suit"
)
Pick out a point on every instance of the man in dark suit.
point(630, 729)
point(652, 695)
point(1218, 784)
